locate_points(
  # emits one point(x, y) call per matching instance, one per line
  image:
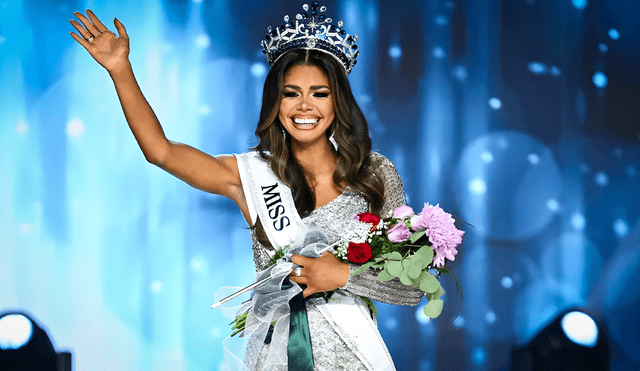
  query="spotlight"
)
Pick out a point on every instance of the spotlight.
point(573, 341)
point(24, 345)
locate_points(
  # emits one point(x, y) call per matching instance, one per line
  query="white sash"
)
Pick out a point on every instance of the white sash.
point(271, 200)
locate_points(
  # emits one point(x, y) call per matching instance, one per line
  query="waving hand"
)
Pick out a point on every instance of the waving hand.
point(105, 47)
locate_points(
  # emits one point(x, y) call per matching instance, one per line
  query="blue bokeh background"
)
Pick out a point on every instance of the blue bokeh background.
point(520, 117)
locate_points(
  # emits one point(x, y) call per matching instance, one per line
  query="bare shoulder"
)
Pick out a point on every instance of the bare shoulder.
point(229, 164)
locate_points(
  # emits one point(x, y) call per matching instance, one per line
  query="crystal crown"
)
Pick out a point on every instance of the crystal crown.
point(311, 30)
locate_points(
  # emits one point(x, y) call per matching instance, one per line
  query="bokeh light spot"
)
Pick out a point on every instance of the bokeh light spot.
point(537, 68)
point(506, 282)
point(460, 72)
point(617, 152)
point(438, 52)
point(579, 4)
point(26, 228)
point(603, 47)
point(614, 34)
point(620, 227)
point(601, 179)
point(495, 103)
point(477, 186)
point(599, 80)
point(395, 51)
point(490, 317)
point(578, 221)
point(486, 157)
point(21, 127)
point(75, 128)
point(203, 41)
point(391, 323)
point(198, 264)
point(533, 158)
point(156, 286)
point(458, 322)
point(258, 69)
point(553, 204)
point(204, 109)
point(479, 355)
point(421, 317)
point(441, 20)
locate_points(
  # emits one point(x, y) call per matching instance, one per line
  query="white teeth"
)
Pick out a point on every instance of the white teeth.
point(299, 121)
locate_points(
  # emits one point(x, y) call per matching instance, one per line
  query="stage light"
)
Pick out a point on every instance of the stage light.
point(580, 328)
point(15, 331)
point(24, 345)
point(571, 342)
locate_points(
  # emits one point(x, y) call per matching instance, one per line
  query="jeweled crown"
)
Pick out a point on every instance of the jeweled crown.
point(311, 30)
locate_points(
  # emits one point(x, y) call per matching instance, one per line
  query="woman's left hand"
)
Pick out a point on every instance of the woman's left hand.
point(320, 274)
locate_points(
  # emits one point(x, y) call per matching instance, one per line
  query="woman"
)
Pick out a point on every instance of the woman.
point(315, 140)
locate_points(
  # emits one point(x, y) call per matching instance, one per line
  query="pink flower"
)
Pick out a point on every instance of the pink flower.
point(442, 233)
point(416, 222)
point(399, 233)
point(438, 259)
point(402, 211)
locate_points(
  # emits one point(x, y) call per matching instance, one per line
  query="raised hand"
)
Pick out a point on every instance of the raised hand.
point(111, 51)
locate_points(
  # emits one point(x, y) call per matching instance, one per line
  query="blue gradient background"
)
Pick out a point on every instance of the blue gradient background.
point(519, 117)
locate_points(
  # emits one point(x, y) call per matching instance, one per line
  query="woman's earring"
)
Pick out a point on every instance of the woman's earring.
point(284, 133)
point(333, 141)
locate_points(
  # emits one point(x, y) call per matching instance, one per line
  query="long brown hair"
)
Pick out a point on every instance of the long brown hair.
point(350, 130)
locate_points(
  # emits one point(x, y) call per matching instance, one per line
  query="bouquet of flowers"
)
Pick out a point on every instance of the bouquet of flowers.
point(411, 247)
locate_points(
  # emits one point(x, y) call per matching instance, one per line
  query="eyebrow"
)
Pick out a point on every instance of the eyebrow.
point(312, 87)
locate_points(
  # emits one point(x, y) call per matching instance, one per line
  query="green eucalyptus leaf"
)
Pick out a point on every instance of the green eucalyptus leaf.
point(414, 271)
point(416, 236)
point(394, 267)
point(433, 308)
point(426, 252)
point(384, 276)
point(419, 261)
point(362, 268)
point(407, 264)
point(437, 294)
point(405, 279)
point(394, 256)
point(428, 283)
point(378, 265)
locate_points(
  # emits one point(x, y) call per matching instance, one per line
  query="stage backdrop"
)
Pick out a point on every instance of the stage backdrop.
point(520, 117)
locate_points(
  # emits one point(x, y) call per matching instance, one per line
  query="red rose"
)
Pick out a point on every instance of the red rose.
point(358, 252)
point(369, 218)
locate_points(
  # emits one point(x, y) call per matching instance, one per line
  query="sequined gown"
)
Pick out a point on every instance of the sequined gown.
point(329, 351)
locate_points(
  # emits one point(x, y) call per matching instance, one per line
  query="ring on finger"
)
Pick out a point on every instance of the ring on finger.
point(297, 272)
point(90, 39)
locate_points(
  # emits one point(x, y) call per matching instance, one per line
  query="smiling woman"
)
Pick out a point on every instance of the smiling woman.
point(306, 109)
point(313, 165)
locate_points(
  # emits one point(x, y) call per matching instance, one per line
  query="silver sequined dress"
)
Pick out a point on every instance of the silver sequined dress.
point(329, 351)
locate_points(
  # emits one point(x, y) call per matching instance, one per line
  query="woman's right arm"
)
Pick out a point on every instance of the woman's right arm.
point(217, 175)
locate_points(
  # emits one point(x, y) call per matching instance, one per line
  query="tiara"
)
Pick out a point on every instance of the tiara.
point(311, 30)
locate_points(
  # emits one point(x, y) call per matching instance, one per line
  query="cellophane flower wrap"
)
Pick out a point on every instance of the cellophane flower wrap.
point(411, 247)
